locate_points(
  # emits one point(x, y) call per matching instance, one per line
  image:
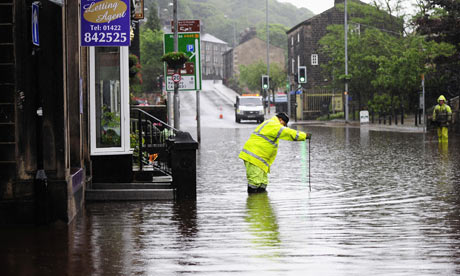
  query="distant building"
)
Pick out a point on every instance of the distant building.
point(212, 64)
point(249, 51)
point(303, 50)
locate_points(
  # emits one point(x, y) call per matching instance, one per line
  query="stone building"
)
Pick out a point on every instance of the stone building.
point(212, 62)
point(303, 50)
point(249, 51)
point(65, 114)
point(43, 113)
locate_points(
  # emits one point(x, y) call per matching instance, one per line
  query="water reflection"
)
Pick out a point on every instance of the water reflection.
point(262, 222)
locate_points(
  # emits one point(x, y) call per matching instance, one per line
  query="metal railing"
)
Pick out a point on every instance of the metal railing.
point(321, 101)
point(149, 136)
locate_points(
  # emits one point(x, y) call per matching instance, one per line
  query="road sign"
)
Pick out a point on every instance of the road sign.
point(35, 33)
point(176, 77)
point(188, 43)
point(186, 26)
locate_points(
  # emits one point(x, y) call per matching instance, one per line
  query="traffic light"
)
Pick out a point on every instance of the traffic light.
point(302, 74)
point(265, 82)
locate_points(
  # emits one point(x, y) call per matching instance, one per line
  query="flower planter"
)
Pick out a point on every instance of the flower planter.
point(175, 60)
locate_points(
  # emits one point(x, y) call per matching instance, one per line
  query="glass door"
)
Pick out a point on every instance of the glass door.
point(109, 100)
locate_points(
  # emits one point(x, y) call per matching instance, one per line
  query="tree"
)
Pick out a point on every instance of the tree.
point(151, 52)
point(381, 61)
point(153, 21)
point(151, 40)
point(250, 76)
point(439, 20)
point(278, 36)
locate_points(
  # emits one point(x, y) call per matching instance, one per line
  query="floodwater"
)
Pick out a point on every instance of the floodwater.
point(381, 203)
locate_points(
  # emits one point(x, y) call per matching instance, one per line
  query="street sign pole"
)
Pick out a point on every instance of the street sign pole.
point(176, 84)
point(198, 118)
point(188, 41)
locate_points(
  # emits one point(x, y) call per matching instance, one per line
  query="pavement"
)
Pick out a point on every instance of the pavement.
point(227, 97)
point(406, 127)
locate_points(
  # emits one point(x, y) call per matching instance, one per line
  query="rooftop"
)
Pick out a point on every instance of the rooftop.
point(210, 38)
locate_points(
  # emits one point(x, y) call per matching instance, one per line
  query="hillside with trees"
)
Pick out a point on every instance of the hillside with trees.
point(226, 19)
point(222, 18)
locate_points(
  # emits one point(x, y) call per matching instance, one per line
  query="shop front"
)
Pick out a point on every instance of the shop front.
point(111, 154)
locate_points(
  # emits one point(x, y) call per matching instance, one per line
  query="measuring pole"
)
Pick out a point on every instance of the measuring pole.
point(309, 166)
point(268, 55)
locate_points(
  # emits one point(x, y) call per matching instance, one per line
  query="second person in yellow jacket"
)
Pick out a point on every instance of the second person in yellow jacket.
point(260, 150)
point(442, 115)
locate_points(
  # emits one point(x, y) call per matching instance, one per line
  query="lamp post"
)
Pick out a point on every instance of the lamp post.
point(234, 30)
point(423, 103)
point(346, 63)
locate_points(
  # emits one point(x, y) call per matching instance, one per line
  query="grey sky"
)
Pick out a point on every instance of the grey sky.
point(318, 6)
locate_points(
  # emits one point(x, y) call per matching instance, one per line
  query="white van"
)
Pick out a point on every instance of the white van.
point(249, 107)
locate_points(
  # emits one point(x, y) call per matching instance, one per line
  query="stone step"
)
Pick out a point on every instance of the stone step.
point(128, 194)
point(151, 177)
point(131, 186)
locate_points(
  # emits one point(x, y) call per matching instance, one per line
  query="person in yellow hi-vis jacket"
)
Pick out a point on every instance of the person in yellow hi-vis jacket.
point(260, 149)
point(442, 115)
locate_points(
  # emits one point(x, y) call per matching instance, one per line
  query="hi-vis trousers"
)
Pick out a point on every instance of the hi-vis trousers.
point(443, 134)
point(257, 178)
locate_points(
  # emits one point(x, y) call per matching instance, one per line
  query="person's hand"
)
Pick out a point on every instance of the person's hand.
point(308, 136)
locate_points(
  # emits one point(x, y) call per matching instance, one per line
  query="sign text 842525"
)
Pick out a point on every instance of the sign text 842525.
point(105, 22)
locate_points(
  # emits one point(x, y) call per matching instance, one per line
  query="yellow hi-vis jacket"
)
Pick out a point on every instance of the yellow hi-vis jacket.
point(442, 114)
point(262, 147)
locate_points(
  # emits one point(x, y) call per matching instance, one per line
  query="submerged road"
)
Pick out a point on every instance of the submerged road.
point(382, 203)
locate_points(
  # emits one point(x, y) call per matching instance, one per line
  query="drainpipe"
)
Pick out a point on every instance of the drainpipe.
point(41, 180)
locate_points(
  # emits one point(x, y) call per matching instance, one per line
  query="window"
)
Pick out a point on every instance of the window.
point(298, 37)
point(292, 40)
point(314, 59)
point(293, 66)
point(109, 100)
point(108, 94)
point(355, 29)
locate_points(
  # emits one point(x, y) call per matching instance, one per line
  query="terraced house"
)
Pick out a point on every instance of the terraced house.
point(303, 51)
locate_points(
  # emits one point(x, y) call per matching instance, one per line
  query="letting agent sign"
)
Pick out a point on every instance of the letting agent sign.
point(105, 23)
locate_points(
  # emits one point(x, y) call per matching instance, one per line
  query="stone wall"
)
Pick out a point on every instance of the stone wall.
point(7, 103)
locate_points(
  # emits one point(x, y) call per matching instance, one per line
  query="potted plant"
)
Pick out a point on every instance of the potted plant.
point(175, 60)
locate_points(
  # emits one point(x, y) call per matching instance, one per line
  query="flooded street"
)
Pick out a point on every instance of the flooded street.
point(381, 203)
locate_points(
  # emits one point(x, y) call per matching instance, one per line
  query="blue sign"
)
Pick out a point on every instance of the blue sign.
point(105, 23)
point(35, 34)
point(190, 48)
